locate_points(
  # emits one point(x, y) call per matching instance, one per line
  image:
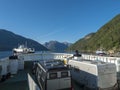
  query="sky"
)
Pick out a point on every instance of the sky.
point(60, 20)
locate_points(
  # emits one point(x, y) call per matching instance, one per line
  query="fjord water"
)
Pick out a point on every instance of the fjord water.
point(4, 54)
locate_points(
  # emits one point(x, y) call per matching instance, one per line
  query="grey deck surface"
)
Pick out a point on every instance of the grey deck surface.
point(18, 81)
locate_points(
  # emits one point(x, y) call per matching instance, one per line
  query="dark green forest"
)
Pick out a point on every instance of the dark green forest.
point(106, 38)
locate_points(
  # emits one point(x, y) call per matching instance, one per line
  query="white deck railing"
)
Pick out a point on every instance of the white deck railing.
point(44, 56)
point(115, 60)
point(63, 56)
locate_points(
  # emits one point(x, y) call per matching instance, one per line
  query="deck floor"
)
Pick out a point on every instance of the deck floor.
point(20, 81)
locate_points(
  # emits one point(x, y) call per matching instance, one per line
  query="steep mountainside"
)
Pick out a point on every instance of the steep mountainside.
point(9, 40)
point(107, 38)
point(56, 46)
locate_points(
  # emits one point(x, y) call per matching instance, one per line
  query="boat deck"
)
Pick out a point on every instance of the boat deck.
point(20, 80)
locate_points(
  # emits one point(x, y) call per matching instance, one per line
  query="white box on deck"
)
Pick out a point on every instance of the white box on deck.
point(94, 74)
point(13, 66)
point(4, 63)
point(20, 63)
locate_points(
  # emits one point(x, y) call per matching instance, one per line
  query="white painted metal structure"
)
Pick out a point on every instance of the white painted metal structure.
point(32, 84)
point(4, 63)
point(94, 74)
point(63, 56)
point(20, 63)
point(13, 66)
point(53, 75)
point(7, 65)
point(44, 56)
point(115, 60)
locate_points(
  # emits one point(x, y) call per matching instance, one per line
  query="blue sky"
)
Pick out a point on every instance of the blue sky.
point(61, 20)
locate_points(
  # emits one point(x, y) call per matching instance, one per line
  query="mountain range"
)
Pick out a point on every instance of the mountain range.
point(56, 46)
point(106, 38)
point(10, 40)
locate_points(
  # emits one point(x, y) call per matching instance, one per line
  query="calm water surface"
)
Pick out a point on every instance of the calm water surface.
point(4, 54)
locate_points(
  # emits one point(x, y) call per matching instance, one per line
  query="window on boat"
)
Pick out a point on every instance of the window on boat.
point(52, 75)
point(64, 74)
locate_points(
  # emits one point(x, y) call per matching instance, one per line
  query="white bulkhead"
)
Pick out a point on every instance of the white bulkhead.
point(4, 63)
point(93, 74)
point(13, 66)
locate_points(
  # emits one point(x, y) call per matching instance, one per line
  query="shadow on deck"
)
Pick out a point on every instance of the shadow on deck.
point(18, 81)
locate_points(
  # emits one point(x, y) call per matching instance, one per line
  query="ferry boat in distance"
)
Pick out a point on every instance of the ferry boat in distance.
point(23, 49)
